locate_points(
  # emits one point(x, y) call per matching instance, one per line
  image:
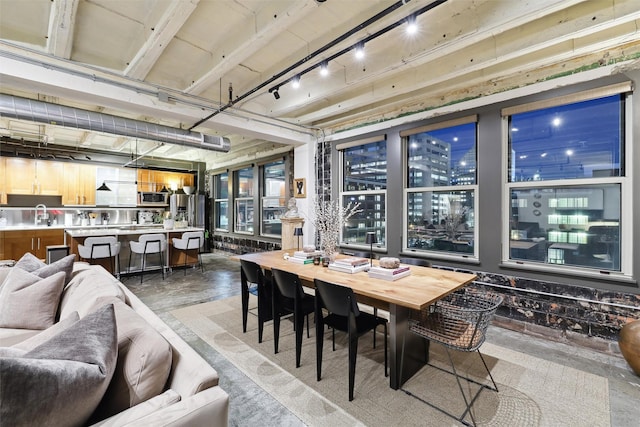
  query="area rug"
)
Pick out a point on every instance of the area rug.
point(532, 391)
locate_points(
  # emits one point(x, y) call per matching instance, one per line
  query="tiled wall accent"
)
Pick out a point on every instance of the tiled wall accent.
point(237, 245)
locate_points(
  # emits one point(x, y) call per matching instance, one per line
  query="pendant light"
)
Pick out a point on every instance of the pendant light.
point(103, 187)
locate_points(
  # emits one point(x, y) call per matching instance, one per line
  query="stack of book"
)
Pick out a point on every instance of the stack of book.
point(389, 273)
point(301, 257)
point(350, 265)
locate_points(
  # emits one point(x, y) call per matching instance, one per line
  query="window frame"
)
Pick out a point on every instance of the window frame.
point(263, 197)
point(239, 200)
point(217, 200)
point(473, 188)
point(625, 181)
point(342, 193)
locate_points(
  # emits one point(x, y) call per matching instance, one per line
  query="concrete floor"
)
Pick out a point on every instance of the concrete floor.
point(250, 405)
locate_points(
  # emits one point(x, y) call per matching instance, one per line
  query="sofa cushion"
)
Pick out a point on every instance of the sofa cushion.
point(32, 264)
point(144, 363)
point(143, 409)
point(28, 301)
point(87, 284)
point(4, 271)
point(12, 336)
point(44, 336)
point(62, 380)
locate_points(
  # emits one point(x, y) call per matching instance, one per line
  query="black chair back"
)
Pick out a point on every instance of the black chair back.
point(288, 284)
point(337, 299)
point(251, 271)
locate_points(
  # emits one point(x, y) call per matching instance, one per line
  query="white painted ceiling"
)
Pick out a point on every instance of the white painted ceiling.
point(172, 62)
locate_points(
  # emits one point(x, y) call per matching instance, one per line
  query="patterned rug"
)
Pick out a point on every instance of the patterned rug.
point(532, 391)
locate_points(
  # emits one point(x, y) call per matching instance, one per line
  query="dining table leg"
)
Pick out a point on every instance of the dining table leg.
point(416, 351)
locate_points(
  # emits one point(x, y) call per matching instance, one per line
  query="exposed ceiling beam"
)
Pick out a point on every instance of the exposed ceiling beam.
point(161, 35)
point(245, 43)
point(61, 23)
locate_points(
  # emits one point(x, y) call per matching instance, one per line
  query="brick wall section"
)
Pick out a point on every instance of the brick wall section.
point(587, 316)
point(237, 245)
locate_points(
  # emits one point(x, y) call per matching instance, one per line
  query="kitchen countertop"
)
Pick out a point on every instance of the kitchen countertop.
point(124, 230)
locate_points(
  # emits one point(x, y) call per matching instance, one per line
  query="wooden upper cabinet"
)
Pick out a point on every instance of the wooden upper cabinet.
point(20, 175)
point(28, 176)
point(147, 180)
point(79, 184)
point(152, 180)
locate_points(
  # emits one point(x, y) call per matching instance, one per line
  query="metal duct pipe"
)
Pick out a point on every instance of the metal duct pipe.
point(60, 115)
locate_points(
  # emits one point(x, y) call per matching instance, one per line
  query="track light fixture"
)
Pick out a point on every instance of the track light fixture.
point(412, 27)
point(324, 69)
point(360, 50)
point(274, 91)
point(357, 48)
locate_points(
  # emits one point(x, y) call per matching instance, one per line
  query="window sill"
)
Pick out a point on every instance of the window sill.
point(569, 271)
point(467, 259)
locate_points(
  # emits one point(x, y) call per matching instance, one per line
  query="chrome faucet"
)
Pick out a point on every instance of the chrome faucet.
point(43, 215)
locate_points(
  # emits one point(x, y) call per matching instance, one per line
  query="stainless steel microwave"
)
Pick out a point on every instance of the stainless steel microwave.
point(152, 198)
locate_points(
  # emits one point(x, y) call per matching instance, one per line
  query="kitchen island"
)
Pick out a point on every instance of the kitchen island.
point(127, 233)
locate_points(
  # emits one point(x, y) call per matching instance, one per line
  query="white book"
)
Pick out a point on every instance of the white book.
point(390, 271)
point(300, 260)
point(389, 277)
point(347, 268)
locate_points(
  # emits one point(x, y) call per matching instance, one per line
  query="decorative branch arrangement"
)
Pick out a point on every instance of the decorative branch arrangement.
point(328, 219)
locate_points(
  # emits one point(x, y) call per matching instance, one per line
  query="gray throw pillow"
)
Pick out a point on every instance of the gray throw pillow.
point(144, 363)
point(32, 264)
point(61, 382)
point(44, 336)
point(28, 301)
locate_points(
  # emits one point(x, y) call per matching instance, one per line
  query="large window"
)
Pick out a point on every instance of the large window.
point(273, 198)
point(565, 182)
point(243, 197)
point(364, 178)
point(221, 201)
point(441, 187)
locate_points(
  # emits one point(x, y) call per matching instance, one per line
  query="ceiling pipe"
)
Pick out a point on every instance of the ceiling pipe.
point(60, 115)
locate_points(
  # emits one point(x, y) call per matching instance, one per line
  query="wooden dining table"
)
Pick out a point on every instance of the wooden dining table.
point(421, 288)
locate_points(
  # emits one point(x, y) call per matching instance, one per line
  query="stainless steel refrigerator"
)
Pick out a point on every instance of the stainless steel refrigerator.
point(191, 206)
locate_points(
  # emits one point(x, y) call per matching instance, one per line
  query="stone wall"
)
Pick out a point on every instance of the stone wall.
point(586, 316)
point(240, 245)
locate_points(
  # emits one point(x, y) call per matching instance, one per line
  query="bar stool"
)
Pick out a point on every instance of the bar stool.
point(101, 247)
point(190, 240)
point(149, 244)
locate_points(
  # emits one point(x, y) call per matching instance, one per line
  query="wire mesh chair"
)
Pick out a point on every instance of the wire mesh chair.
point(458, 322)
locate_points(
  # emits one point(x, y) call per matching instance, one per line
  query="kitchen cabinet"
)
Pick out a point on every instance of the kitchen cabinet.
point(79, 184)
point(17, 243)
point(153, 180)
point(28, 176)
point(2, 246)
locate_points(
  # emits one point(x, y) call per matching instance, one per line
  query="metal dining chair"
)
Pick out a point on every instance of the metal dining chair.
point(343, 315)
point(289, 298)
point(458, 322)
point(252, 274)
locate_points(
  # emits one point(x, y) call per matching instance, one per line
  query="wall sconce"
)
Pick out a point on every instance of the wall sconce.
point(298, 232)
point(371, 239)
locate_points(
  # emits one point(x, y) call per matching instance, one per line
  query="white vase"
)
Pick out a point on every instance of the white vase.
point(168, 224)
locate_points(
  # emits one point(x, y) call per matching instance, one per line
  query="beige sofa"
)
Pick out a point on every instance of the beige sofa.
point(191, 395)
